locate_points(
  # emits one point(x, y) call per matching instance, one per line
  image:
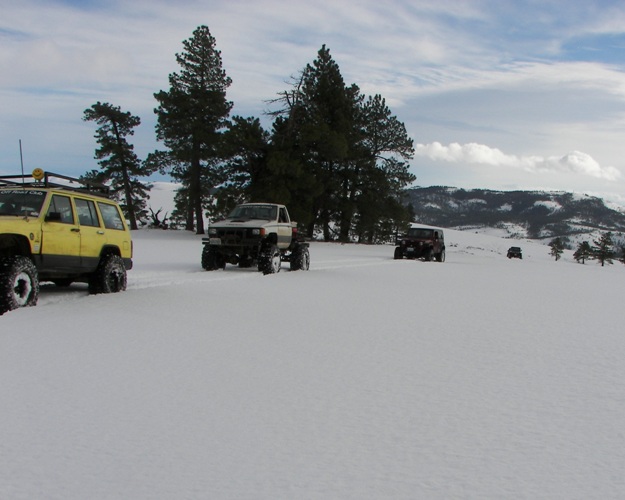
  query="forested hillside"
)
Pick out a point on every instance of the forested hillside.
point(524, 214)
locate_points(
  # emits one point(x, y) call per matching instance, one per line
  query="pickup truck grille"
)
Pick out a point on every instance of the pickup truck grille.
point(236, 236)
point(231, 236)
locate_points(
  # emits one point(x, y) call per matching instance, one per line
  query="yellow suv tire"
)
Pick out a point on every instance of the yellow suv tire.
point(19, 284)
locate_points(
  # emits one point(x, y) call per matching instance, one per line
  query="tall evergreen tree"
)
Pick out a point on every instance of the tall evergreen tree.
point(603, 250)
point(583, 252)
point(389, 148)
point(328, 136)
point(120, 165)
point(289, 178)
point(191, 118)
point(246, 146)
point(350, 154)
point(557, 247)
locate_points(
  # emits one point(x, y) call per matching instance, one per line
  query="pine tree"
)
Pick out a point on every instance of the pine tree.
point(120, 165)
point(191, 118)
point(328, 135)
point(583, 252)
point(349, 154)
point(557, 247)
point(603, 250)
point(389, 148)
point(246, 146)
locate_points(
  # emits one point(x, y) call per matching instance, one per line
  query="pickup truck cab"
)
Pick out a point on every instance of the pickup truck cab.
point(260, 234)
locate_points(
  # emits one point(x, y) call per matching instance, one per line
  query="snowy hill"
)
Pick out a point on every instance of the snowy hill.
point(517, 214)
point(365, 377)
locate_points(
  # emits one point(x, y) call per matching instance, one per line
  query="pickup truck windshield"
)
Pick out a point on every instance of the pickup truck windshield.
point(266, 212)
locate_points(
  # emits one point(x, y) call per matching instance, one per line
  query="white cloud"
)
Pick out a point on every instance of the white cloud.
point(575, 162)
point(465, 74)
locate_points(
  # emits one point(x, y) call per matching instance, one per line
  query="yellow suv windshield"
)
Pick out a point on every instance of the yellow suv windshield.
point(21, 201)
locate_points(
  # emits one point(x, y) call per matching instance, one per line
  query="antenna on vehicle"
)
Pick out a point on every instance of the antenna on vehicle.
point(22, 161)
point(23, 179)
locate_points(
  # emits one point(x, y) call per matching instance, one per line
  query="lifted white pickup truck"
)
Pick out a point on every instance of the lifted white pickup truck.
point(260, 234)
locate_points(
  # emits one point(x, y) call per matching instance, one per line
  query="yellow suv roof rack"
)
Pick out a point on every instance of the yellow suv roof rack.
point(42, 179)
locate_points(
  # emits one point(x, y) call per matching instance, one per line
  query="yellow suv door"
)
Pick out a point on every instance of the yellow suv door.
point(116, 232)
point(92, 233)
point(60, 239)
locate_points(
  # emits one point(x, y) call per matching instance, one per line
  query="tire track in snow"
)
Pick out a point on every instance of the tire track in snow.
point(140, 280)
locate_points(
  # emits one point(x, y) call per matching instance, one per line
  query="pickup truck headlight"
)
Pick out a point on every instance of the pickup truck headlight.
point(212, 231)
point(256, 232)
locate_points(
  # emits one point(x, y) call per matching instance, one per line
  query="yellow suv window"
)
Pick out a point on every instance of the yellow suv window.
point(63, 206)
point(87, 215)
point(110, 214)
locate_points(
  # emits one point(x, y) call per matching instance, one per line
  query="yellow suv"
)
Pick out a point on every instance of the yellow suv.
point(59, 229)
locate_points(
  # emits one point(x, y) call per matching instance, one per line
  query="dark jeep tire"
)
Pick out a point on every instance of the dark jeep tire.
point(440, 257)
point(427, 256)
point(19, 283)
point(211, 259)
point(269, 261)
point(398, 254)
point(109, 277)
point(300, 259)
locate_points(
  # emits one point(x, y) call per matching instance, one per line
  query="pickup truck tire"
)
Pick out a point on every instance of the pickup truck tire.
point(300, 260)
point(19, 283)
point(269, 261)
point(210, 258)
point(109, 277)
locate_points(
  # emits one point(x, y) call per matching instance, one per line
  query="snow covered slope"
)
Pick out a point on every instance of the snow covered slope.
point(481, 377)
point(518, 214)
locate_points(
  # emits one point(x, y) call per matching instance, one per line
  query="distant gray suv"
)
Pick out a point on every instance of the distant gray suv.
point(260, 234)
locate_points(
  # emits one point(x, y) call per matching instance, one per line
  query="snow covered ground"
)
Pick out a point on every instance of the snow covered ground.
point(363, 378)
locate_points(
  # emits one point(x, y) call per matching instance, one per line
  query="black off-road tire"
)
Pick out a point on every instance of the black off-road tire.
point(19, 283)
point(440, 257)
point(269, 261)
point(300, 259)
point(211, 259)
point(109, 277)
point(427, 256)
point(398, 254)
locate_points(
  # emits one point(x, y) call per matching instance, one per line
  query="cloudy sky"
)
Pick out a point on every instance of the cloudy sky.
point(499, 94)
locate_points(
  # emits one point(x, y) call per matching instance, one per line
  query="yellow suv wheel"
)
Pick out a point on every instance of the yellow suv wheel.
point(110, 277)
point(19, 284)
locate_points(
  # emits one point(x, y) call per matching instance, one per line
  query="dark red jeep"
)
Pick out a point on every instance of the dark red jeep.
point(421, 243)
